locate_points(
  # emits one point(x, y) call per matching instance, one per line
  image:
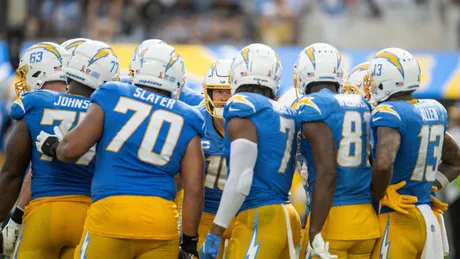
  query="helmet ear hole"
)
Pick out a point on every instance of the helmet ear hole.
point(380, 86)
point(36, 74)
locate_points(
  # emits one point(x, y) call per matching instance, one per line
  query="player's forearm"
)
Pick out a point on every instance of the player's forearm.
point(323, 195)
point(192, 207)
point(10, 186)
point(70, 150)
point(450, 172)
point(380, 181)
point(450, 164)
point(26, 193)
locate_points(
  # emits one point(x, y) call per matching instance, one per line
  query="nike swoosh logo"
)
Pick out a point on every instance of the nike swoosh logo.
point(376, 119)
point(232, 109)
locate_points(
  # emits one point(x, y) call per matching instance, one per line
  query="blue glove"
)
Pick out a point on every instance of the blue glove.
point(210, 247)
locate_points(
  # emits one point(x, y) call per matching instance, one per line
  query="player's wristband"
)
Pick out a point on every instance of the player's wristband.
point(50, 145)
point(189, 244)
point(17, 215)
point(442, 179)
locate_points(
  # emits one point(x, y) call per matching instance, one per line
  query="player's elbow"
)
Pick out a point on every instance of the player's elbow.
point(381, 168)
point(8, 175)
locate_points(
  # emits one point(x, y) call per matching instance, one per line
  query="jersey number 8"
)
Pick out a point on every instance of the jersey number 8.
point(352, 135)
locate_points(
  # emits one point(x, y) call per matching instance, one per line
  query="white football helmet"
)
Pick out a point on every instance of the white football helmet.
point(288, 97)
point(353, 83)
point(319, 62)
point(42, 62)
point(256, 64)
point(161, 68)
point(71, 44)
point(93, 63)
point(216, 78)
point(134, 64)
point(391, 71)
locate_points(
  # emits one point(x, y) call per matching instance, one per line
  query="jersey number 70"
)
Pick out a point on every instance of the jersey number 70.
point(157, 118)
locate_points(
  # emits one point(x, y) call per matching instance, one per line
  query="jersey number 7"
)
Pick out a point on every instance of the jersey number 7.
point(67, 119)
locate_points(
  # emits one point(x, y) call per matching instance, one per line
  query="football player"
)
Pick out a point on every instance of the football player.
point(412, 145)
point(144, 137)
point(53, 221)
point(72, 44)
point(260, 146)
point(335, 143)
point(29, 83)
point(186, 94)
point(216, 90)
point(353, 82)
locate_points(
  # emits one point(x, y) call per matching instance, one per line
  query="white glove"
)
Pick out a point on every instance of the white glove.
point(41, 138)
point(10, 235)
point(304, 173)
point(319, 249)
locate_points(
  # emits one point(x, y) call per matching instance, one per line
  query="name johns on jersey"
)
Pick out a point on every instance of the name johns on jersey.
point(429, 113)
point(154, 98)
point(70, 102)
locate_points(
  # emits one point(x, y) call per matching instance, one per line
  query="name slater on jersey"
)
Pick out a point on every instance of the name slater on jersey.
point(153, 98)
point(351, 101)
point(429, 114)
point(72, 102)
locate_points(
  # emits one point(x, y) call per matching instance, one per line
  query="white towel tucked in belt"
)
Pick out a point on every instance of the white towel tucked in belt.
point(433, 248)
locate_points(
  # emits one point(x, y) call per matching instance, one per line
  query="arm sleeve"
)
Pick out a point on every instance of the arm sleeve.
point(243, 157)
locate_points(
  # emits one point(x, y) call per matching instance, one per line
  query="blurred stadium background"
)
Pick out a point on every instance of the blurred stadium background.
point(205, 30)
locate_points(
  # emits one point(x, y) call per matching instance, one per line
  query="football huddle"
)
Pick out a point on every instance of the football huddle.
point(99, 166)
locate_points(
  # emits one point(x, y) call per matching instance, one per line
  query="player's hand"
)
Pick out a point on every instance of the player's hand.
point(437, 205)
point(210, 247)
point(45, 142)
point(319, 248)
point(396, 201)
point(189, 245)
point(10, 234)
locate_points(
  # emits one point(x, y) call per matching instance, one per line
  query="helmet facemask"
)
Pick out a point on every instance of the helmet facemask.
point(21, 86)
point(215, 107)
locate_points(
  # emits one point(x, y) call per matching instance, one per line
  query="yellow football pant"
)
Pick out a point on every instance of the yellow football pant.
point(403, 236)
point(356, 249)
point(93, 246)
point(262, 232)
point(52, 231)
point(351, 230)
point(205, 228)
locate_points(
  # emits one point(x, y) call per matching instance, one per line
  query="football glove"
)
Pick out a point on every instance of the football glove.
point(396, 201)
point(10, 235)
point(319, 248)
point(189, 245)
point(437, 205)
point(184, 255)
point(210, 247)
point(47, 143)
